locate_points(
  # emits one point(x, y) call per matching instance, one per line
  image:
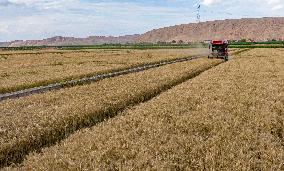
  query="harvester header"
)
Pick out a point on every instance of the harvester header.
point(218, 42)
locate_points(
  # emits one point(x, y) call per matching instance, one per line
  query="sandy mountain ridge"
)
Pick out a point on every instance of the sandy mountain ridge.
point(255, 29)
point(63, 41)
point(231, 29)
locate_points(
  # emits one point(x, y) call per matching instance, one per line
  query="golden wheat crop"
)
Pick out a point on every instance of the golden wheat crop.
point(228, 118)
point(233, 50)
point(31, 122)
point(35, 68)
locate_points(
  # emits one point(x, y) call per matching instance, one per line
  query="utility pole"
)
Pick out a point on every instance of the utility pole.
point(198, 14)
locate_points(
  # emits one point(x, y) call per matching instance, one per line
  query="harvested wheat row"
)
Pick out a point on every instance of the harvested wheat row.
point(19, 71)
point(33, 122)
point(228, 118)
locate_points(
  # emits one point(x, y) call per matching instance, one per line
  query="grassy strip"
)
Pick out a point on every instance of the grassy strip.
point(42, 120)
point(142, 46)
point(146, 47)
point(111, 46)
point(229, 117)
point(256, 46)
point(256, 43)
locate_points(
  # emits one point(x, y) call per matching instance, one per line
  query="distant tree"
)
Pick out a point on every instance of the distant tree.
point(161, 43)
point(174, 42)
point(243, 40)
point(250, 40)
point(180, 42)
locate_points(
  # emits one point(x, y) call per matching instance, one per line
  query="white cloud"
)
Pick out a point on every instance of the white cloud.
point(37, 19)
point(277, 7)
point(26, 2)
point(275, 4)
point(41, 4)
point(82, 19)
point(273, 1)
point(272, 4)
point(3, 28)
point(210, 2)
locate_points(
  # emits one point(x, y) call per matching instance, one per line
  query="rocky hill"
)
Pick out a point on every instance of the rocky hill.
point(4, 44)
point(255, 29)
point(67, 41)
point(234, 29)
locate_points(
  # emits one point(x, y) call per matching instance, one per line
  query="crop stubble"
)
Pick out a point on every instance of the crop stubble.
point(228, 118)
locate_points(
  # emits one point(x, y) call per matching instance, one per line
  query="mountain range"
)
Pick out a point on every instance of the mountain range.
point(253, 29)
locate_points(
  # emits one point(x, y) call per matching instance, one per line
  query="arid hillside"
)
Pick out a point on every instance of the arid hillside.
point(255, 29)
point(67, 41)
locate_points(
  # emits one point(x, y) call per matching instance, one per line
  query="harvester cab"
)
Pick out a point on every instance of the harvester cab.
point(219, 49)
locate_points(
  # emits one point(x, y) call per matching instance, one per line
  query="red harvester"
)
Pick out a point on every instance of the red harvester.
point(219, 49)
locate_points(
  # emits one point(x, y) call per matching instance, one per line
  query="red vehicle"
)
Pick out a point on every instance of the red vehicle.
point(219, 49)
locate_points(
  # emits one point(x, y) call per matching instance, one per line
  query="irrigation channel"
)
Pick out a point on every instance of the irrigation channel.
point(86, 80)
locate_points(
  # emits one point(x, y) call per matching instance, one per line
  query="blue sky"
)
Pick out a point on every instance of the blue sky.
point(38, 19)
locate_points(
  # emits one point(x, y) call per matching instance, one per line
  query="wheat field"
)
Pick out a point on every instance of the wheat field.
point(31, 122)
point(21, 70)
point(228, 118)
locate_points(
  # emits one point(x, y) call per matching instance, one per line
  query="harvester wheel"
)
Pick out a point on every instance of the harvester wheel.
point(226, 58)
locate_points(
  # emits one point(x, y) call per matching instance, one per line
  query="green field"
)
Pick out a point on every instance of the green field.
point(145, 46)
point(111, 46)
